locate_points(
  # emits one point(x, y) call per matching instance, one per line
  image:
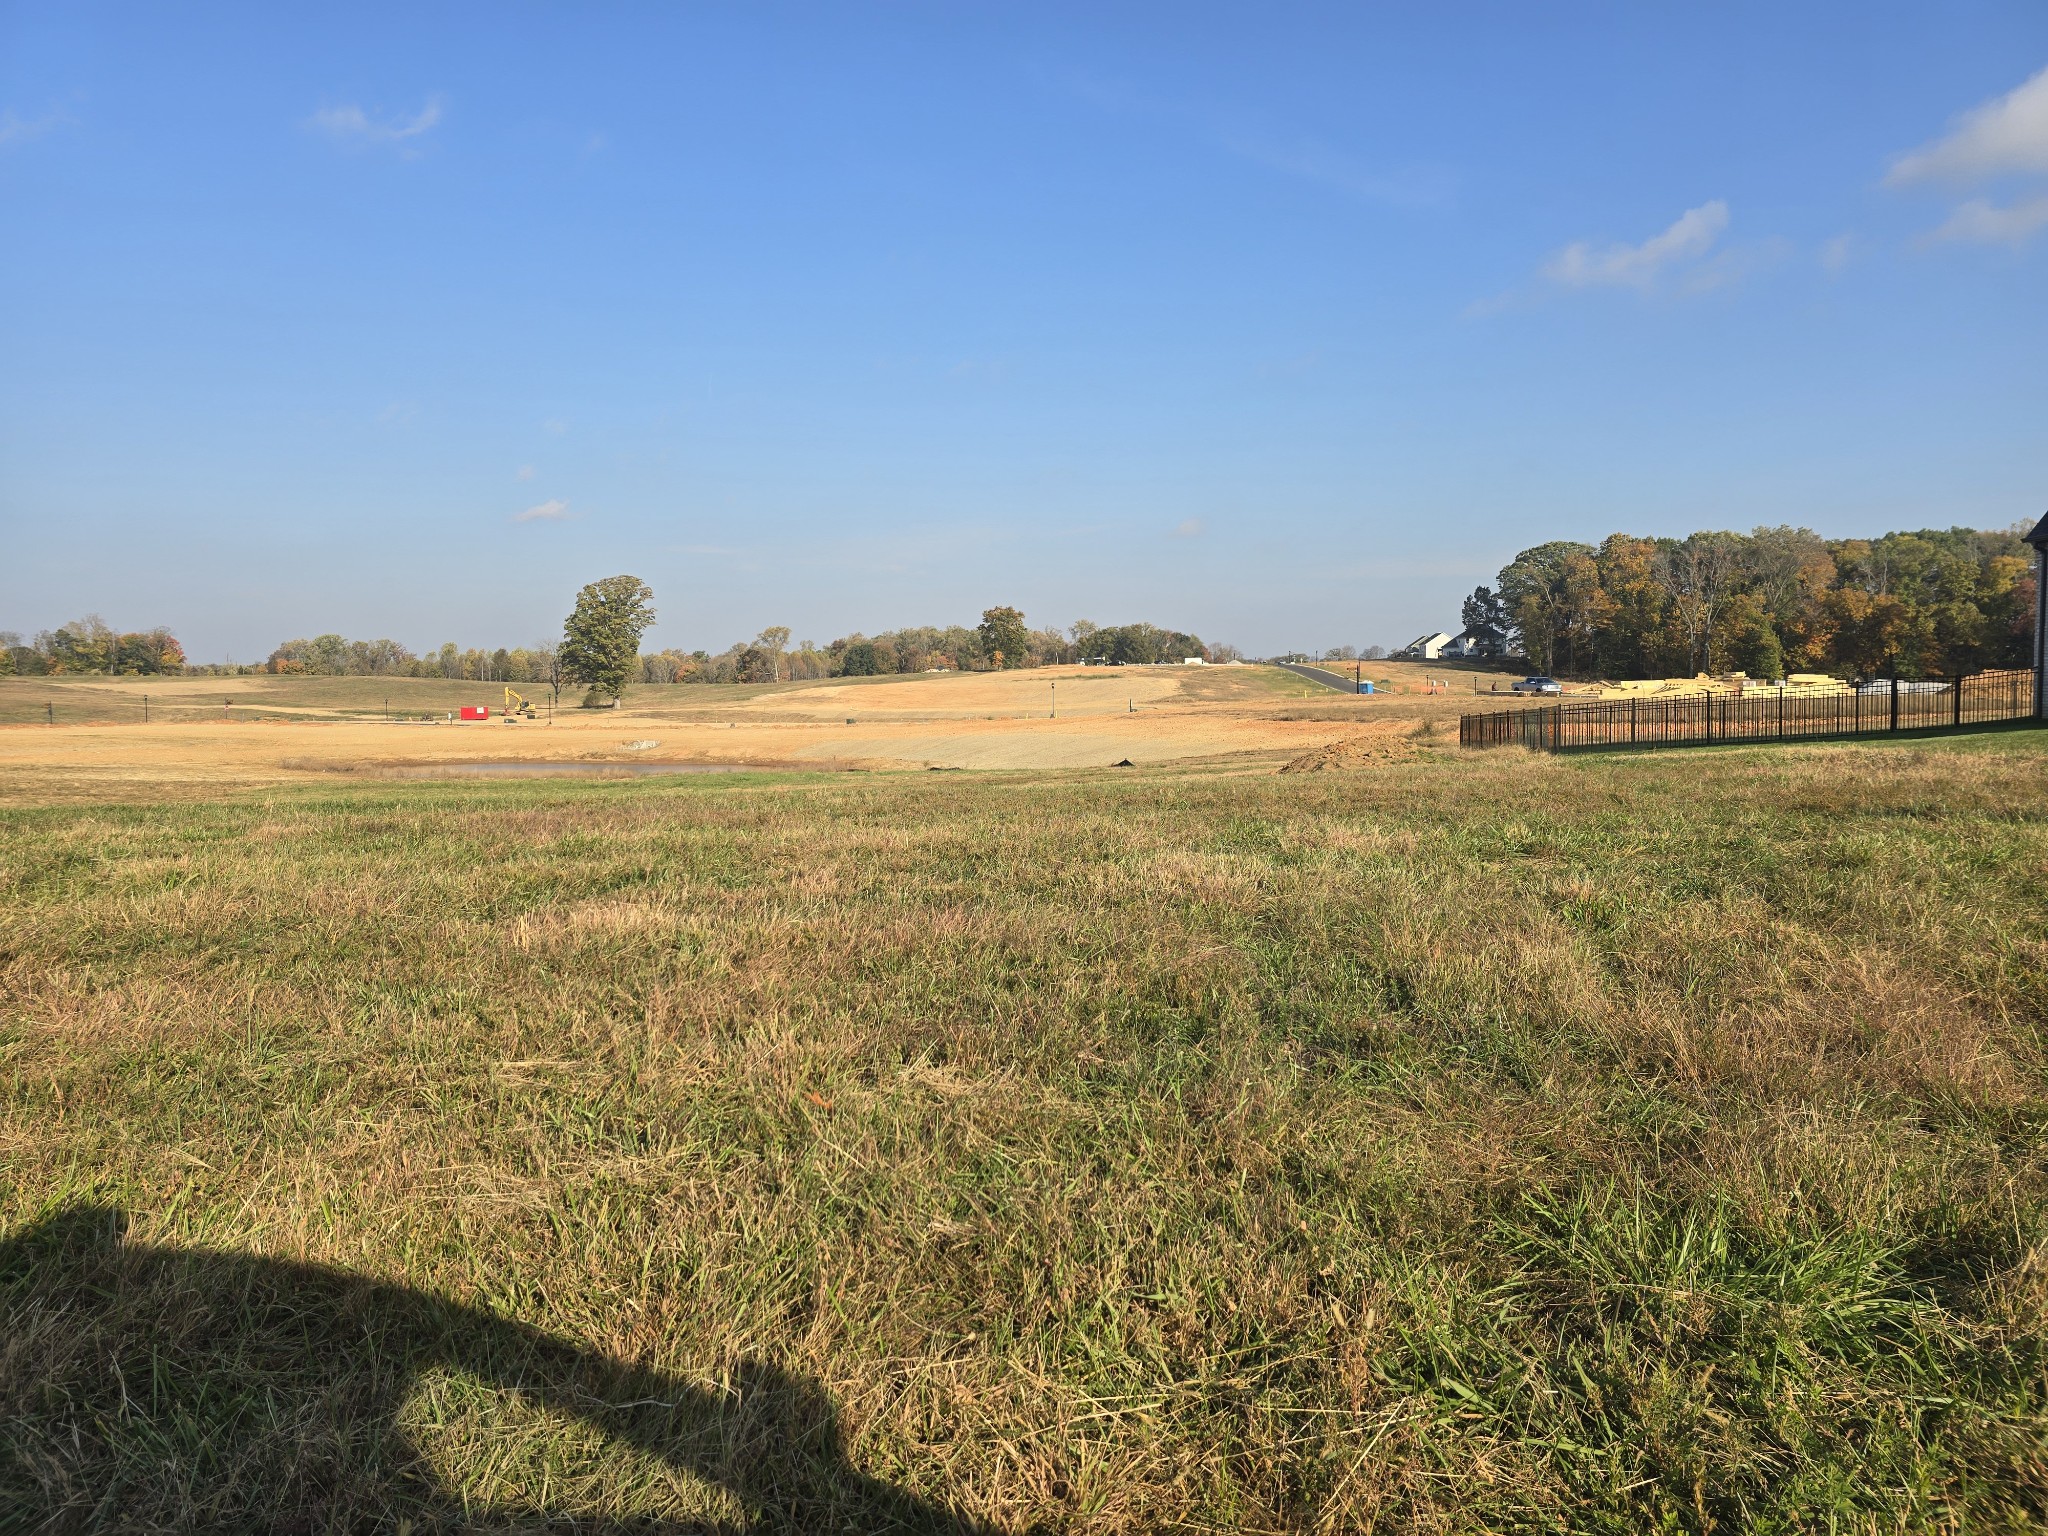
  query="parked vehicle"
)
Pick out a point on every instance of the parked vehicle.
point(1538, 685)
point(1886, 685)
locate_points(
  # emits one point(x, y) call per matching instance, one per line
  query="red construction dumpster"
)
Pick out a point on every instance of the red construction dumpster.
point(476, 711)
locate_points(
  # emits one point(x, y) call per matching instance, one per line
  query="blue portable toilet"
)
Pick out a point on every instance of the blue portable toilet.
point(1365, 687)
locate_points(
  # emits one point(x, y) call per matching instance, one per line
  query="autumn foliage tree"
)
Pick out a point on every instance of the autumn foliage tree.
point(1774, 600)
point(91, 645)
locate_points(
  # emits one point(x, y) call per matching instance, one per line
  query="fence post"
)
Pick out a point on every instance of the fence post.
point(1958, 701)
point(1895, 698)
point(1631, 721)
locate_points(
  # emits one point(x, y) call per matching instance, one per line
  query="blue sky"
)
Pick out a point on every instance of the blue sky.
point(1283, 324)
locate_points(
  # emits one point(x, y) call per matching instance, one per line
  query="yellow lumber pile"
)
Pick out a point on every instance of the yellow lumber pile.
point(1738, 685)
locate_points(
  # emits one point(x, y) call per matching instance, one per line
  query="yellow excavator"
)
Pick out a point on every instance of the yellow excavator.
point(515, 704)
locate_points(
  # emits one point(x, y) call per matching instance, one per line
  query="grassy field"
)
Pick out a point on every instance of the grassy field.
point(1488, 1142)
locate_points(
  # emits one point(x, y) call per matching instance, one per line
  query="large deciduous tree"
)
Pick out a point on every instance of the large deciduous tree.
point(601, 639)
point(1004, 640)
point(1546, 591)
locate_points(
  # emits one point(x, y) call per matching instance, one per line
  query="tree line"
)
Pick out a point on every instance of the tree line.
point(334, 656)
point(90, 644)
point(1002, 640)
point(1933, 602)
point(599, 649)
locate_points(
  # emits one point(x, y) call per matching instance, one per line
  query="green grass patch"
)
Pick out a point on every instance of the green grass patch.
point(1493, 1143)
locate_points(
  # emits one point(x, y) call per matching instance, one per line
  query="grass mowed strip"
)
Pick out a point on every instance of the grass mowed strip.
point(1487, 1143)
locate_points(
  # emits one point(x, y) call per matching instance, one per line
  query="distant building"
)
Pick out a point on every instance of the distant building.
point(1426, 648)
point(2039, 539)
point(1477, 644)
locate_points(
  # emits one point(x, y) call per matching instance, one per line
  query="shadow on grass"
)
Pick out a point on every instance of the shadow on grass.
point(147, 1388)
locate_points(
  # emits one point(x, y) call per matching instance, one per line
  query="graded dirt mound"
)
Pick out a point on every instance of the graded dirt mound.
point(1355, 752)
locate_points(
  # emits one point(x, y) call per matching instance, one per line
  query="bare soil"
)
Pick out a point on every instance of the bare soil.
point(209, 733)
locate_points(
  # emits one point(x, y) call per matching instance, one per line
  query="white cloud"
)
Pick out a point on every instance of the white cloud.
point(19, 130)
point(555, 511)
point(1691, 235)
point(2001, 137)
point(526, 471)
point(1190, 528)
point(1836, 254)
point(1980, 223)
point(351, 124)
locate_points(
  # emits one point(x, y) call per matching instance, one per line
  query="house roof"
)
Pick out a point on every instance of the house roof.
point(2039, 537)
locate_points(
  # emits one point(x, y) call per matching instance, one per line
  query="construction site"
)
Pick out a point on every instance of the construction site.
point(111, 736)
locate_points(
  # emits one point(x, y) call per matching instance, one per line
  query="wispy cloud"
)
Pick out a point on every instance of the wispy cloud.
point(1290, 154)
point(1980, 223)
point(1691, 235)
point(21, 130)
point(2004, 136)
point(525, 471)
point(1685, 258)
point(1312, 160)
point(1837, 253)
point(980, 370)
point(1189, 528)
point(350, 124)
point(555, 511)
point(2001, 139)
point(1299, 365)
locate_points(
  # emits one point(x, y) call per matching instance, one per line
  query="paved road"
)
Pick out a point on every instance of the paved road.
point(1328, 679)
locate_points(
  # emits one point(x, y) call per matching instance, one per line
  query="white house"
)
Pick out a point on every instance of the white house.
point(1472, 643)
point(1427, 648)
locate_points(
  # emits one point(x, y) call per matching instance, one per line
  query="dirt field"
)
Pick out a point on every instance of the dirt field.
point(70, 737)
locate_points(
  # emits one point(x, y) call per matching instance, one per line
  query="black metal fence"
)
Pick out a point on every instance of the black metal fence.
point(1875, 708)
